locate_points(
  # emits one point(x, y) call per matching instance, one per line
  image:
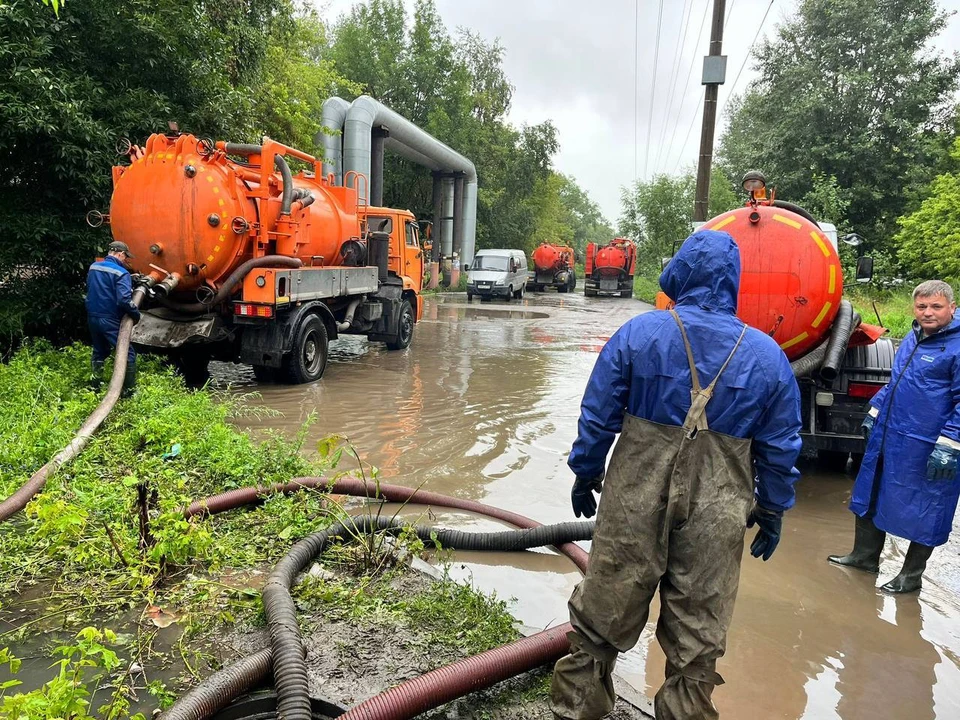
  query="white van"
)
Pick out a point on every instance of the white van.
point(500, 273)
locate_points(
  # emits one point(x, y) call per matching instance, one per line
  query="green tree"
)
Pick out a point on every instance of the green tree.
point(74, 84)
point(850, 90)
point(929, 238)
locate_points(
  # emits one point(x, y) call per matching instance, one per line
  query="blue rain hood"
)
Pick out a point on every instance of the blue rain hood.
point(705, 272)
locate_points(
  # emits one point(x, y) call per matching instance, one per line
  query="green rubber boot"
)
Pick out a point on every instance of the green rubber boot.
point(96, 375)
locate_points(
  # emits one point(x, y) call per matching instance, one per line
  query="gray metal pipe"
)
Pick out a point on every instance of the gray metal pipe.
point(446, 220)
point(437, 216)
point(458, 224)
point(365, 113)
point(333, 114)
point(376, 166)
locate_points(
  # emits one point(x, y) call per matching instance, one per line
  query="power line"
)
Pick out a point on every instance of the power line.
point(684, 18)
point(686, 83)
point(749, 52)
point(653, 89)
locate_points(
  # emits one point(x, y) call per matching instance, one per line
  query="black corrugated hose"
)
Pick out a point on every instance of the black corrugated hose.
point(289, 666)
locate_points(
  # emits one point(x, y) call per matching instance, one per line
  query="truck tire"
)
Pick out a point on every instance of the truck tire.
point(572, 285)
point(308, 358)
point(589, 292)
point(563, 288)
point(469, 297)
point(626, 293)
point(405, 321)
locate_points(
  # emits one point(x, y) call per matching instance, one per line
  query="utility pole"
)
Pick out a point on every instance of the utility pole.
point(714, 74)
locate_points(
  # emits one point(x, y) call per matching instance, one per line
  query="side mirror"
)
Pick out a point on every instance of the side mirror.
point(426, 227)
point(428, 247)
point(853, 240)
point(864, 269)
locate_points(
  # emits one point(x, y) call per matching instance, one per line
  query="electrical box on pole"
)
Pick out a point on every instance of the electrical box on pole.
point(714, 74)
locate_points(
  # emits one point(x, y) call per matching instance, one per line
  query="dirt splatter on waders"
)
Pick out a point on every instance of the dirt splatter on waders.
point(672, 513)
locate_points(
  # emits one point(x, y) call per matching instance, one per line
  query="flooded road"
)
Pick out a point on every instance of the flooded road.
point(484, 406)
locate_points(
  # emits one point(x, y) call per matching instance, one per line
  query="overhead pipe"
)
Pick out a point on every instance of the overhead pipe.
point(333, 113)
point(365, 113)
point(26, 492)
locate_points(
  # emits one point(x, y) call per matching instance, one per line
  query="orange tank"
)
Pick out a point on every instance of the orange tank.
point(791, 280)
point(200, 210)
point(549, 257)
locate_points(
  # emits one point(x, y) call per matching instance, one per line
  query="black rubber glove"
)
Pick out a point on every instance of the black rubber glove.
point(768, 536)
point(866, 427)
point(581, 497)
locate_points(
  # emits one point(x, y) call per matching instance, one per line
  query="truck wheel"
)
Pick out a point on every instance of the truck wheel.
point(589, 292)
point(572, 284)
point(469, 297)
point(626, 293)
point(404, 327)
point(308, 358)
point(563, 288)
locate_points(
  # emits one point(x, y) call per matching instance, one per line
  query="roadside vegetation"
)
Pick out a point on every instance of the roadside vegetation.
point(103, 561)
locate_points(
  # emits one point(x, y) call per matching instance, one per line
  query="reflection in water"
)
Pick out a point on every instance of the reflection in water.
point(484, 405)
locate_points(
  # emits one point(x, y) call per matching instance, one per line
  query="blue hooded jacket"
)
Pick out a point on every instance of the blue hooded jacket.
point(643, 370)
point(110, 290)
point(921, 403)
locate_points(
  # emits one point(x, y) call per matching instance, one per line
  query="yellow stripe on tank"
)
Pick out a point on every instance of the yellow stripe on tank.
point(819, 240)
point(790, 343)
point(723, 223)
point(832, 284)
point(787, 221)
point(823, 314)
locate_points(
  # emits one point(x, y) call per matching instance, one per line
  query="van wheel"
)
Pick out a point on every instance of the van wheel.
point(519, 293)
point(469, 297)
point(404, 328)
point(308, 358)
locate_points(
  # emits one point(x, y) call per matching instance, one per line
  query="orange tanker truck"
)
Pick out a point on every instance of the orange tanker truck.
point(250, 262)
point(610, 268)
point(553, 266)
point(791, 287)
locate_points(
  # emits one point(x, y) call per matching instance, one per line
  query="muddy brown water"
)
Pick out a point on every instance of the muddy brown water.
point(484, 405)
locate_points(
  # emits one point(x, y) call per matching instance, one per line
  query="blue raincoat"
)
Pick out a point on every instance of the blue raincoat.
point(643, 370)
point(921, 403)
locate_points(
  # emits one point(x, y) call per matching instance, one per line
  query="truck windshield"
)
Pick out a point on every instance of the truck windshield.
point(490, 262)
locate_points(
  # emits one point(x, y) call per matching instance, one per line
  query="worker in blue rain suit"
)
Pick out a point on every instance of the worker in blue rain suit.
point(908, 484)
point(708, 413)
point(109, 298)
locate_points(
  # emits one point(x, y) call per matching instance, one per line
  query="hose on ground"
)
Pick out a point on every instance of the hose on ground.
point(289, 666)
point(221, 688)
point(26, 492)
point(436, 687)
point(231, 282)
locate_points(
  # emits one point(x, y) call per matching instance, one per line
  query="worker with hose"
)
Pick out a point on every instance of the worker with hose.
point(708, 413)
point(908, 484)
point(109, 298)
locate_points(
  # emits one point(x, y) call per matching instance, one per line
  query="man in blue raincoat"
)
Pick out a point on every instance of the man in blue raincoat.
point(109, 298)
point(908, 484)
point(708, 413)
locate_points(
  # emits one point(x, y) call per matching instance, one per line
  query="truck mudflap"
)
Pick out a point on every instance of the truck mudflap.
point(162, 333)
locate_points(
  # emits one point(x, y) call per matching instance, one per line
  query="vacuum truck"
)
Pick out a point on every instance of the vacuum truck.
point(553, 266)
point(250, 262)
point(791, 287)
point(610, 268)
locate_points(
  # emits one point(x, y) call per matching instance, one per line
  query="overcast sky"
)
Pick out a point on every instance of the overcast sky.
point(575, 63)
